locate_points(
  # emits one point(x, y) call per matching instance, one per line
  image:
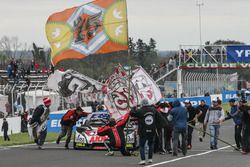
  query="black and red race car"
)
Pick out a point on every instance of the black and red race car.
point(86, 135)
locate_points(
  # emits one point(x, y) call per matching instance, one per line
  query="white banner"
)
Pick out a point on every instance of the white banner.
point(146, 86)
point(118, 88)
point(69, 82)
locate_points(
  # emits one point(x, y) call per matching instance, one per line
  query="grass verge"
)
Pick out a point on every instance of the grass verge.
point(24, 138)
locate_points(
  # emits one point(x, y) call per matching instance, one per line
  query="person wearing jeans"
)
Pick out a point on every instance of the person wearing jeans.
point(214, 131)
point(142, 142)
point(178, 118)
point(214, 117)
point(176, 133)
point(148, 119)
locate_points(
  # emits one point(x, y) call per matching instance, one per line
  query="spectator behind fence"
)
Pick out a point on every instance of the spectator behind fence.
point(9, 71)
point(8, 108)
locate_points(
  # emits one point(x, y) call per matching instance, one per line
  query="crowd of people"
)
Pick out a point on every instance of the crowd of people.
point(17, 70)
point(159, 126)
point(164, 67)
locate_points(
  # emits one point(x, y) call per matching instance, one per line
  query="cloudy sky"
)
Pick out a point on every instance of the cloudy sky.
point(169, 22)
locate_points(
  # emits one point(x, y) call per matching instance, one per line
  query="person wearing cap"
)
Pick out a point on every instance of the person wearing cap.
point(115, 131)
point(246, 131)
point(214, 117)
point(38, 122)
point(5, 128)
point(202, 107)
point(236, 115)
point(69, 120)
point(148, 119)
point(192, 116)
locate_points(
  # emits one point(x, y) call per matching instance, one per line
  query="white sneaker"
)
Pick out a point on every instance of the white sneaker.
point(110, 153)
point(150, 161)
point(143, 162)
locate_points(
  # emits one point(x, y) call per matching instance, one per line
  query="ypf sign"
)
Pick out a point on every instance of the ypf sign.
point(238, 53)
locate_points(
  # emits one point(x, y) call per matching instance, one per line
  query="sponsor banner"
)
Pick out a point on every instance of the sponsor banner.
point(214, 65)
point(238, 53)
point(54, 125)
point(195, 101)
point(227, 95)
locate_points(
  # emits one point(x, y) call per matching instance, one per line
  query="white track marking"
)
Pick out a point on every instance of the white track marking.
point(186, 157)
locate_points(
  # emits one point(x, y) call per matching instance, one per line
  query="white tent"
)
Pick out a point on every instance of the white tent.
point(35, 98)
point(3, 100)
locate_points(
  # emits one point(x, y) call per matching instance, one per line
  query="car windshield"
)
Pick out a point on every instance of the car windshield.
point(98, 119)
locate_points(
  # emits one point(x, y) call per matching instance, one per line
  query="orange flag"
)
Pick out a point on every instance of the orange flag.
point(94, 28)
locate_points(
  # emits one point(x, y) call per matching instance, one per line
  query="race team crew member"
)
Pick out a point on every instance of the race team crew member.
point(192, 116)
point(236, 115)
point(38, 122)
point(203, 111)
point(115, 132)
point(148, 119)
point(68, 121)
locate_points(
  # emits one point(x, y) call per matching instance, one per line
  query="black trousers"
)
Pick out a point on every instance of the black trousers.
point(5, 135)
point(246, 139)
point(237, 135)
point(189, 136)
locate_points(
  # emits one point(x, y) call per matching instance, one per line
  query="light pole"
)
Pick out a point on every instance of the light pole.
point(200, 3)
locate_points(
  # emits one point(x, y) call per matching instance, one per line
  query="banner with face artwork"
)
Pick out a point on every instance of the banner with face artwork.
point(120, 93)
point(146, 86)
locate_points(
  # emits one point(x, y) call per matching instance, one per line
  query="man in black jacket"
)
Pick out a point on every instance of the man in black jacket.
point(5, 128)
point(148, 118)
point(246, 131)
point(201, 116)
point(192, 115)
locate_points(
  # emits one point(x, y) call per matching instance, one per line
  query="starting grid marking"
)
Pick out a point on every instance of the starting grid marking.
point(186, 157)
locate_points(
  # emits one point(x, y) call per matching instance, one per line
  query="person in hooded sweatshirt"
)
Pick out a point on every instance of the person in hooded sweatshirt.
point(178, 116)
point(214, 118)
point(236, 115)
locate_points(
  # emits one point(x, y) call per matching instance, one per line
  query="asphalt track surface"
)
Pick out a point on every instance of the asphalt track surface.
point(56, 156)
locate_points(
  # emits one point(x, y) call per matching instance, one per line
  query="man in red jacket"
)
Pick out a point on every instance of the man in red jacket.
point(115, 132)
point(68, 121)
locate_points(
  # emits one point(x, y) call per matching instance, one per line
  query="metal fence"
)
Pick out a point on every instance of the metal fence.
point(196, 84)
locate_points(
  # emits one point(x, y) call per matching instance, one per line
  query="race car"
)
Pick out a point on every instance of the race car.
point(86, 135)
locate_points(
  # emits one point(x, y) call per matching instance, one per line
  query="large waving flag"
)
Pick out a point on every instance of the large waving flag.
point(70, 82)
point(93, 28)
point(146, 86)
point(120, 94)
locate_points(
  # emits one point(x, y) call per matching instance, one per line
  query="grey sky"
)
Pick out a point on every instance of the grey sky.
point(169, 22)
